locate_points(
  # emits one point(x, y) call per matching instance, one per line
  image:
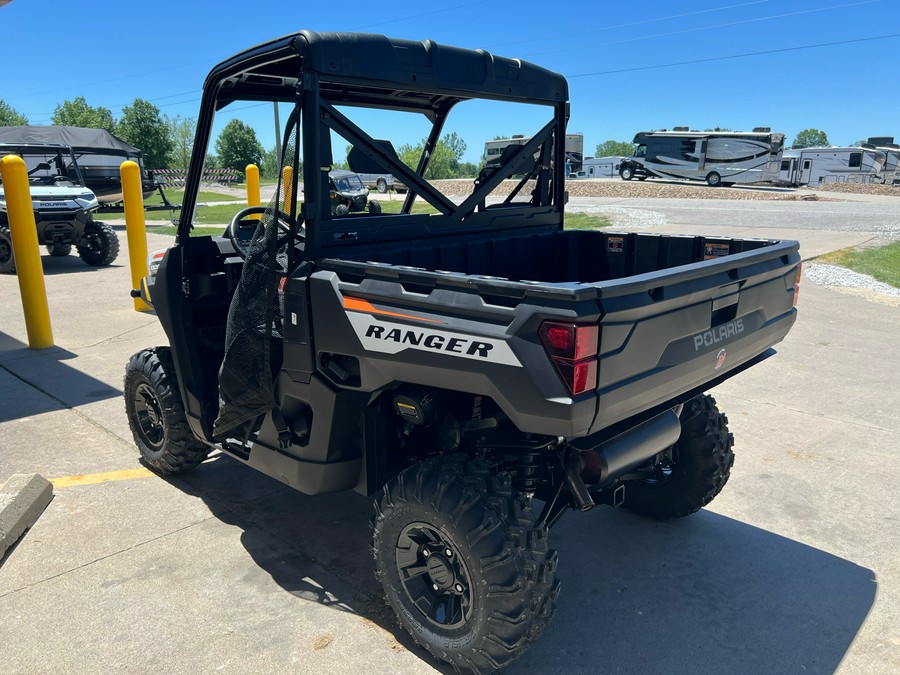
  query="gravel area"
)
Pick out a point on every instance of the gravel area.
point(833, 275)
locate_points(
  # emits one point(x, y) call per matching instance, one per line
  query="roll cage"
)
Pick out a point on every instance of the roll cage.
point(321, 72)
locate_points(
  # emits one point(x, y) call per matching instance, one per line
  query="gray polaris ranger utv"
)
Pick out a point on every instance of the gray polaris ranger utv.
point(63, 208)
point(475, 367)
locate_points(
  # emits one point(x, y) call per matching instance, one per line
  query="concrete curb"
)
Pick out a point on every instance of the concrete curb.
point(23, 499)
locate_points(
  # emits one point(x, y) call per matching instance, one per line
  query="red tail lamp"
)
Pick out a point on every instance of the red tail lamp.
point(573, 349)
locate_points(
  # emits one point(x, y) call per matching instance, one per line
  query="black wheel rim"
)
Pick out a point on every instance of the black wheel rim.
point(5, 250)
point(434, 576)
point(149, 416)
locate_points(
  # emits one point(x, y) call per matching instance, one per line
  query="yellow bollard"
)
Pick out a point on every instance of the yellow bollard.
point(135, 227)
point(287, 181)
point(23, 232)
point(252, 173)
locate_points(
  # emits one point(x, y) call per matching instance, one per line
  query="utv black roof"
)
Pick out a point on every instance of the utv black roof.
point(80, 139)
point(386, 72)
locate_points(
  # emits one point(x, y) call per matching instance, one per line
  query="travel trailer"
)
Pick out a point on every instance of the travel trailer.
point(891, 171)
point(815, 166)
point(598, 167)
point(494, 149)
point(719, 158)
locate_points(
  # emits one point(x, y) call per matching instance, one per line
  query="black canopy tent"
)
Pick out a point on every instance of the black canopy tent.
point(98, 152)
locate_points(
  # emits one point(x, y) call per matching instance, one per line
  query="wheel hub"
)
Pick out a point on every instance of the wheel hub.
point(440, 571)
point(150, 416)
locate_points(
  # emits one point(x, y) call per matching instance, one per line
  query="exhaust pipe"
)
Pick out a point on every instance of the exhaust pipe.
point(608, 461)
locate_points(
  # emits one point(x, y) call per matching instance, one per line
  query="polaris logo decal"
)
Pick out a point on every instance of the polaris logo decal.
point(718, 334)
point(391, 338)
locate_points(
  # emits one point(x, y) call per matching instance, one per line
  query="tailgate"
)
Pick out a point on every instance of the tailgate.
point(666, 333)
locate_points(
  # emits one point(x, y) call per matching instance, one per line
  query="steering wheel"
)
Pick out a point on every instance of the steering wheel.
point(242, 243)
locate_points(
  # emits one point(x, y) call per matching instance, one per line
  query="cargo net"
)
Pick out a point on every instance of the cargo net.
point(254, 332)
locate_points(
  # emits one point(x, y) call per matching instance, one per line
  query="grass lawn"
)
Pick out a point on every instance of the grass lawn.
point(213, 219)
point(883, 262)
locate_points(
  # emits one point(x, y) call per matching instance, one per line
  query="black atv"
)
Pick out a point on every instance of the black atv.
point(348, 194)
point(63, 208)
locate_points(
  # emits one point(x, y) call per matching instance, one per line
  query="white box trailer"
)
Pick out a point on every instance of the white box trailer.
point(816, 166)
point(598, 167)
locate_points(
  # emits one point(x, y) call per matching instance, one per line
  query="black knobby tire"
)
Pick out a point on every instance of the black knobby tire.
point(627, 173)
point(498, 587)
point(102, 244)
point(7, 259)
point(59, 249)
point(156, 414)
point(341, 210)
point(701, 464)
point(374, 207)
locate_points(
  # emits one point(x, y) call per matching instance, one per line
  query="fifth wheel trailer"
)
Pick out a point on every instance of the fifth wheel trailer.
point(815, 166)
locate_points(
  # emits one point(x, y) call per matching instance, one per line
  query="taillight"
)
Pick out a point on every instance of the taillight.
point(797, 283)
point(573, 349)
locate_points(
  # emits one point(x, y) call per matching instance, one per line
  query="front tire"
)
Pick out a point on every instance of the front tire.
point(699, 467)
point(374, 208)
point(7, 258)
point(462, 563)
point(156, 414)
point(627, 173)
point(59, 249)
point(99, 246)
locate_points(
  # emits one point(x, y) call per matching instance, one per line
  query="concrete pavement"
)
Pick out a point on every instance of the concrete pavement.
point(792, 568)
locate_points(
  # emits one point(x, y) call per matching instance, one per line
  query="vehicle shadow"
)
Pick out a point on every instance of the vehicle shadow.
point(72, 264)
point(52, 384)
point(702, 594)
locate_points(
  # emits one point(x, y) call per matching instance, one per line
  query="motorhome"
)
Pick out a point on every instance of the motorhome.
point(598, 167)
point(816, 166)
point(494, 149)
point(719, 157)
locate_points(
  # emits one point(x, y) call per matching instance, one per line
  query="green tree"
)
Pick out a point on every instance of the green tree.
point(181, 135)
point(237, 146)
point(614, 149)
point(143, 127)
point(269, 167)
point(444, 160)
point(10, 117)
point(78, 113)
point(811, 138)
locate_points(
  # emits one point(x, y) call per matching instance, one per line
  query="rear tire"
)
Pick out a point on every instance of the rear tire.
point(462, 563)
point(7, 259)
point(102, 244)
point(701, 464)
point(156, 414)
point(381, 185)
point(59, 249)
point(713, 179)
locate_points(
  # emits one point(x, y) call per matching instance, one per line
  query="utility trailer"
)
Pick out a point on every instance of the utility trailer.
point(464, 367)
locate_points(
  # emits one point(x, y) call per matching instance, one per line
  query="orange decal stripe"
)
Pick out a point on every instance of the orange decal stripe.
point(360, 305)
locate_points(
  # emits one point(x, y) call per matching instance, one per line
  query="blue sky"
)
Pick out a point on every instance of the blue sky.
point(631, 66)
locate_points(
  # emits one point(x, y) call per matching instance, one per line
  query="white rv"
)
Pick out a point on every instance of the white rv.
point(719, 158)
point(815, 166)
point(574, 150)
point(598, 167)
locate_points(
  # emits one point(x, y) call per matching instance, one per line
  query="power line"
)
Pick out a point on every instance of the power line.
point(735, 56)
point(703, 28)
point(633, 23)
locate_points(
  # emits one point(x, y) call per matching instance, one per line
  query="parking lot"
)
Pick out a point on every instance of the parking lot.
point(793, 568)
